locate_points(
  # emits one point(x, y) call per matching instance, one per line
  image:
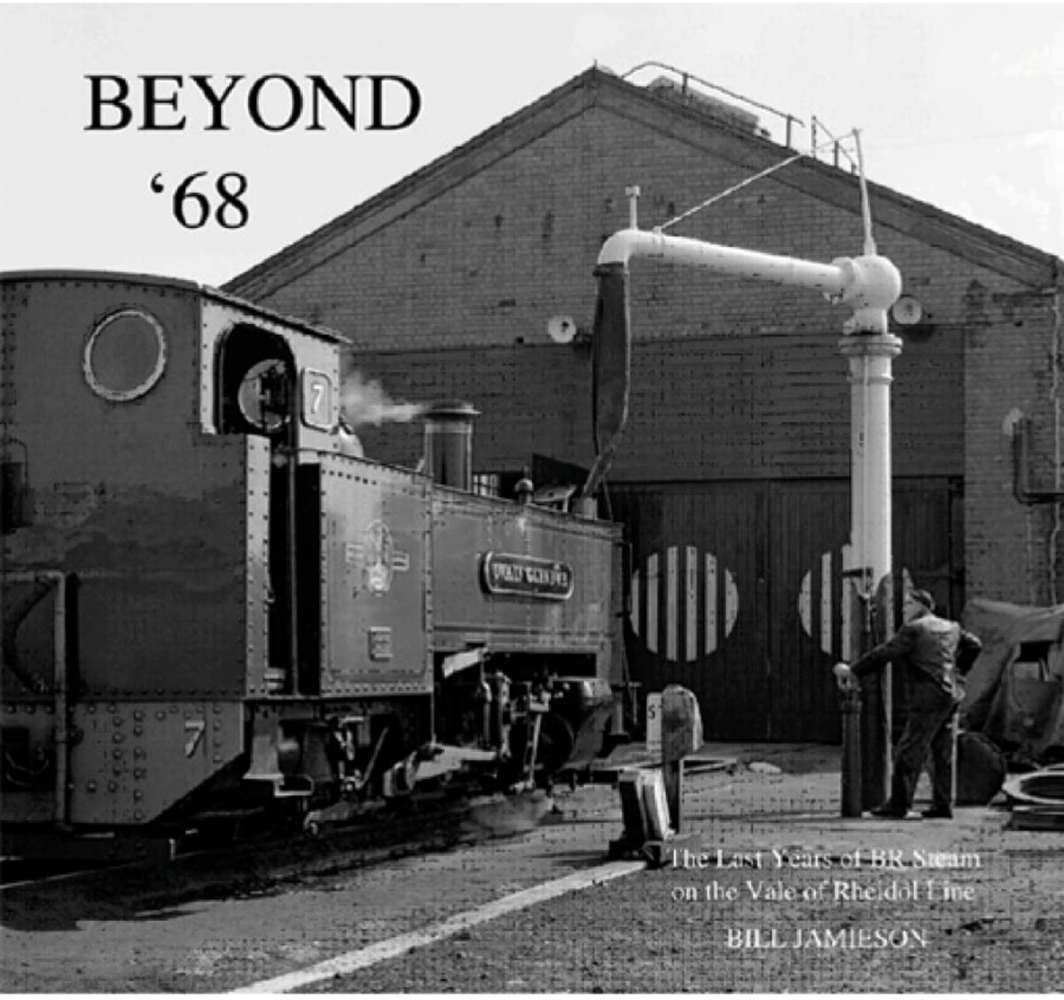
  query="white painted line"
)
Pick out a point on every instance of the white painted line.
point(805, 603)
point(711, 603)
point(731, 602)
point(691, 606)
point(352, 961)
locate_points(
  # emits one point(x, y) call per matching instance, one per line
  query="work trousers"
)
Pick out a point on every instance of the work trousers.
point(928, 729)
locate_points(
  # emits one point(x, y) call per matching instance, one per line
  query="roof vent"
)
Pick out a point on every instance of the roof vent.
point(722, 111)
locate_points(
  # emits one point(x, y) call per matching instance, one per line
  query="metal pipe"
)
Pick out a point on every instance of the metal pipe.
point(850, 707)
point(685, 76)
point(870, 284)
point(632, 192)
point(870, 553)
point(295, 684)
point(1021, 462)
point(870, 377)
point(448, 448)
point(628, 243)
point(866, 210)
point(1054, 394)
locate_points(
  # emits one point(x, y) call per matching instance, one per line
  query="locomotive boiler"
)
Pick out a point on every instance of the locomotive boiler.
point(212, 604)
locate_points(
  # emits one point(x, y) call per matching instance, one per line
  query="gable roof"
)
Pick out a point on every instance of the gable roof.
point(700, 128)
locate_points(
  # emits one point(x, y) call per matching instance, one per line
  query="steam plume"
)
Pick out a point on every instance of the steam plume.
point(366, 402)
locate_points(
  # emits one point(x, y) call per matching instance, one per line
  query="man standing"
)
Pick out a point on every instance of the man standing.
point(934, 653)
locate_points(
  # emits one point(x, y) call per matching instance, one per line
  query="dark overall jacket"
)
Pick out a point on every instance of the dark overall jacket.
point(930, 649)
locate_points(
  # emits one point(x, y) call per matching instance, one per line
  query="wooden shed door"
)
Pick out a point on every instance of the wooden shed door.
point(808, 526)
point(698, 605)
point(736, 593)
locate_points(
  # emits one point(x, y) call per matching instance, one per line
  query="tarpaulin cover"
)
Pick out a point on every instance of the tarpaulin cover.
point(1014, 689)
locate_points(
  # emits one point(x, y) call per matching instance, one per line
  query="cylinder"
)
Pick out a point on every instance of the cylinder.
point(449, 444)
point(870, 553)
point(852, 798)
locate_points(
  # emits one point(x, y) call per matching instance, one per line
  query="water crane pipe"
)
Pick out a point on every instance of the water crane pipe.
point(869, 284)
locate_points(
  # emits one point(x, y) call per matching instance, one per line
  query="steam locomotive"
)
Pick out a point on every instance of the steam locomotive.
point(212, 603)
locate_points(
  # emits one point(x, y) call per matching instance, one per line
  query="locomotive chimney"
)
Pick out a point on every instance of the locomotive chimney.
point(449, 444)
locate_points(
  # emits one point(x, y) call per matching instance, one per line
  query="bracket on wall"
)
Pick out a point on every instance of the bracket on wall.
point(1021, 462)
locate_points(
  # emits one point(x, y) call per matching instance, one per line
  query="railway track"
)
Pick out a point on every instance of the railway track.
point(16, 872)
point(267, 859)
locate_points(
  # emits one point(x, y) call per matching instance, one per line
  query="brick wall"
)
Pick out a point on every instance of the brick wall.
point(731, 379)
point(731, 406)
point(1010, 361)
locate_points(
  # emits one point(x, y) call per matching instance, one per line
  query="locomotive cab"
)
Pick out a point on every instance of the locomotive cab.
point(256, 396)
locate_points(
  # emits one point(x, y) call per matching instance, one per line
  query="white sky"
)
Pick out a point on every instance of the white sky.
point(959, 105)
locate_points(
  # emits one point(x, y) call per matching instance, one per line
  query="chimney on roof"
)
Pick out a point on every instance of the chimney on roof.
point(722, 111)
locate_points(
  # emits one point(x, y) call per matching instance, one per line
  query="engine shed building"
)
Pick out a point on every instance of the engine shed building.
point(733, 474)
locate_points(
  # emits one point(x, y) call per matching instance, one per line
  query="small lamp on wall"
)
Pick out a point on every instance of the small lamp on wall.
point(564, 330)
point(910, 317)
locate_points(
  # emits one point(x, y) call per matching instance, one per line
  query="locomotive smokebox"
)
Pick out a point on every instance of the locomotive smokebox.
point(449, 444)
